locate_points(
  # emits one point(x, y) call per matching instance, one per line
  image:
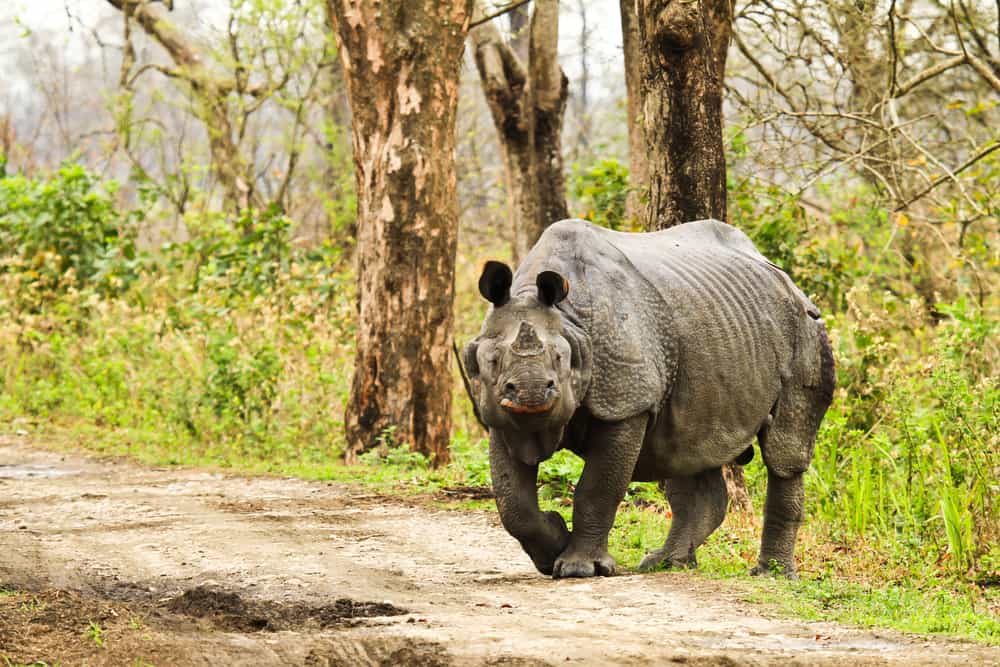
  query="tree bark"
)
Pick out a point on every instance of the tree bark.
point(636, 141)
point(527, 103)
point(675, 121)
point(682, 59)
point(402, 60)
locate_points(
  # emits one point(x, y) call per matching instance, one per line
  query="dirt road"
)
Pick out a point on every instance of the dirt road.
point(120, 564)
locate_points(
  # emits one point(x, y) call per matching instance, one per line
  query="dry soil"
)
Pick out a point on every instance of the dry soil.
point(108, 562)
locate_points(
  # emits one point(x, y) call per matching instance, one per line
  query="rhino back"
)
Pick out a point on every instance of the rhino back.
point(691, 323)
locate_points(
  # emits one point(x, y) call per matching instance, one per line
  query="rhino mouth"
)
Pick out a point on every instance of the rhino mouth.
point(521, 409)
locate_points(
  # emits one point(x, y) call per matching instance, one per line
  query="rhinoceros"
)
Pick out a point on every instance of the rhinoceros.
point(654, 357)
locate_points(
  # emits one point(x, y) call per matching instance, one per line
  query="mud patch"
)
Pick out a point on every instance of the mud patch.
point(388, 652)
point(29, 471)
point(226, 610)
point(62, 627)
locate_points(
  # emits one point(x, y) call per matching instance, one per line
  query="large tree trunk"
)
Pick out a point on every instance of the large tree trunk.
point(677, 112)
point(682, 60)
point(402, 60)
point(527, 103)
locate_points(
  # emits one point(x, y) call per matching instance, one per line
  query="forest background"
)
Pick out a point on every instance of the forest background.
point(179, 228)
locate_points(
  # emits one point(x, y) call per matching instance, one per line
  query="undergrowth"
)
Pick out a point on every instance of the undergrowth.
point(234, 349)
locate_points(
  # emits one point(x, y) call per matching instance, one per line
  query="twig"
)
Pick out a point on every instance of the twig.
point(468, 384)
point(946, 177)
point(509, 8)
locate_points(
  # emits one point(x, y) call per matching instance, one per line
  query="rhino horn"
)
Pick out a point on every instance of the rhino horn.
point(527, 342)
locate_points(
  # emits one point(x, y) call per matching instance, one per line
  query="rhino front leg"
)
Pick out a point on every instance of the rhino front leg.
point(543, 535)
point(611, 452)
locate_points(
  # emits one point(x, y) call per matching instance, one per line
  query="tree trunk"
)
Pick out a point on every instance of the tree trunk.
point(527, 103)
point(402, 61)
point(681, 48)
point(636, 142)
point(682, 59)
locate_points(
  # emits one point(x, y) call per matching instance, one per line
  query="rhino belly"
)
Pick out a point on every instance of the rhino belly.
point(704, 427)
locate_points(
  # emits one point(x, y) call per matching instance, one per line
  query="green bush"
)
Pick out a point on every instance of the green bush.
point(602, 190)
point(63, 230)
point(908, 452)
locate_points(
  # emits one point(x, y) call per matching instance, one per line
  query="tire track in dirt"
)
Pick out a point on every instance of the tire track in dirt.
point(192, 567)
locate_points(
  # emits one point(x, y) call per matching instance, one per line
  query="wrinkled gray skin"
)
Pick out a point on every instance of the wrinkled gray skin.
point(654, 357)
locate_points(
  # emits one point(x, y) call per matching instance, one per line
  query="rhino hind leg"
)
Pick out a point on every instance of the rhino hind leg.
point(698, 503)
point(782, 518)
point(787, 445)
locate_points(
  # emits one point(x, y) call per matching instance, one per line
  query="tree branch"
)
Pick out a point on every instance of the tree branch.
point(979, 155)
point(502, 74)
point(927, 74)
point(543, 58)
point(509, 8)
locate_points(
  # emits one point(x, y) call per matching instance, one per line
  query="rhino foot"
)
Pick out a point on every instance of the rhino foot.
point(545, 547)
point(773, 568)
point(584, 564)
point(661, 560)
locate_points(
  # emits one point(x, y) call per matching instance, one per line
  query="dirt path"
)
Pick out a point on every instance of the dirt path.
point(188, 567)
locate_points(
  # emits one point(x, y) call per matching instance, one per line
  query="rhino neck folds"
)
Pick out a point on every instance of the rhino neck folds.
point(532, 447)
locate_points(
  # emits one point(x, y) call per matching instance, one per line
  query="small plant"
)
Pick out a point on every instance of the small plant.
point(96, 634)
point(33, 605)
point(243, 380)
point(388, 454)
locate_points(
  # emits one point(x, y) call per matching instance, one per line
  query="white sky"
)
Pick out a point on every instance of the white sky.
point(64, 20)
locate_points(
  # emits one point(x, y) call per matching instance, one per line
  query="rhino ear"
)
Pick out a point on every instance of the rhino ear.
point(552, 287)
point(494, 283)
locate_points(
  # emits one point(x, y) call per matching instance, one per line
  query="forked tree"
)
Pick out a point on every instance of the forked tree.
point(402, 60)
point(526, 91)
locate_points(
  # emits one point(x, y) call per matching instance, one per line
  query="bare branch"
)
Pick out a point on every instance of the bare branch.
point(984, 71)
point(927, 74)
point(979, 155)
point(509, 8)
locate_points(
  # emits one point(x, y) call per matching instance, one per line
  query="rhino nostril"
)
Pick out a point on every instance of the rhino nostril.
point(509, 388)
point(551, 385)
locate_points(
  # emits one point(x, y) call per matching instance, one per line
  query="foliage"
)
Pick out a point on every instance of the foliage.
point(601, 190)
point(230, 345)
point(250, 255)
point(63, 231)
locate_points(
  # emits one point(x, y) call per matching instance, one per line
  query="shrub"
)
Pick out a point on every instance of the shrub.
point(63, 230)
point(602, 190)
